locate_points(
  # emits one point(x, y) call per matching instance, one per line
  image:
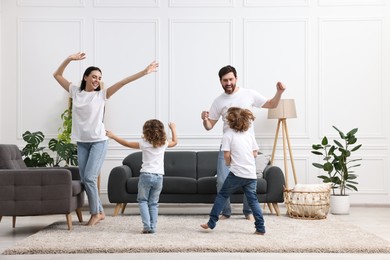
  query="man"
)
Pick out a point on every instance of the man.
point(235, 96)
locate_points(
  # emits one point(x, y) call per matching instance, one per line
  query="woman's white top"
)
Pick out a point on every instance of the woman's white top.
point(87, 114)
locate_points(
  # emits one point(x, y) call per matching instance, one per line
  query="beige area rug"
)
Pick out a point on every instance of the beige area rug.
point(180, 233)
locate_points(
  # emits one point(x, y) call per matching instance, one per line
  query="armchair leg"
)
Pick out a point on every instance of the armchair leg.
point(123, 207)
point(276, 207)
point(69, 221)
point(13, 221)
point(117, 207)
point(79, 215)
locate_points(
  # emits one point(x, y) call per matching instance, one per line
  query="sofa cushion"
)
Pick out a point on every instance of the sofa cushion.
point(207, 185)
point(180, 164)
point(179, 185)
point(207, 163)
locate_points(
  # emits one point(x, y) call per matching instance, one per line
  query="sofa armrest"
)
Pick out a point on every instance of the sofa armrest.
point(275, 183)
point(74, 170)
point(116, 187)
point(35, 191)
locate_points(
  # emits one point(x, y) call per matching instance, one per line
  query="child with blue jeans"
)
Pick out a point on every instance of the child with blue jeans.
point(153, 146)
point(240, 149)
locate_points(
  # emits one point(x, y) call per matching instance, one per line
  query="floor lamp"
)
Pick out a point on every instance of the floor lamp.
point(285, 109)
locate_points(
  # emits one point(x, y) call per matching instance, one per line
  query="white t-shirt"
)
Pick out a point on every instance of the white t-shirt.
point(152, 158)
point(241, 146)
point(243, 98)
point(87, 114)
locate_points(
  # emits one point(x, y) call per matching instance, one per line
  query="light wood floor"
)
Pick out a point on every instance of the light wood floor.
point(370, 218)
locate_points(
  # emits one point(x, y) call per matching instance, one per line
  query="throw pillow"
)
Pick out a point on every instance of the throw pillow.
point(262, 160)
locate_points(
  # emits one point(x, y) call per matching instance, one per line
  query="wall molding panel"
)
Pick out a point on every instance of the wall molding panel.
point(264, 39)
point(339, 50)
point(126, 3)
point(52, 3)
point(129, 50)
point(275, 3)
point(200, 3)
point(32, 47)
point(351, 2)
point(219, 46)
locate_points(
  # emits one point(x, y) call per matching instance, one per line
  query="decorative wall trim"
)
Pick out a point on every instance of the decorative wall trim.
point(52, 3)
point(201, 3)
point(305, 22)
point(21, 21)
point(321, 23)
point(380, 178)
point(156, 24)
point(351, 2)
point(275, 3)
point(126, 3)
point(171, 91)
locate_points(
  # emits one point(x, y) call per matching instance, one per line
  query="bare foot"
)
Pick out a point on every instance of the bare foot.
point(250, 217)
point(223, 217)
point(102, 215)
point(205, 226)
point(94, 219)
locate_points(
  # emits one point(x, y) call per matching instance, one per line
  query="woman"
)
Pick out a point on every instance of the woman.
point(87, 124)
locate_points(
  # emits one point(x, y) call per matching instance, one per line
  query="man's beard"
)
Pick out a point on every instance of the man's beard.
point(229, 90)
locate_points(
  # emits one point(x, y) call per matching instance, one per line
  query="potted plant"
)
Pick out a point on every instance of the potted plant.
point(339, 166)
point(65, 150)
point(34, 154)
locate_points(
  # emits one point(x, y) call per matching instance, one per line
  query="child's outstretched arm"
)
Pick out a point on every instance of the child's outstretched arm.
point(134, 145)
point(173, 142)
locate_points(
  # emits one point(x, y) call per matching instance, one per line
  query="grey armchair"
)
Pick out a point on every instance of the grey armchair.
point(37, 191)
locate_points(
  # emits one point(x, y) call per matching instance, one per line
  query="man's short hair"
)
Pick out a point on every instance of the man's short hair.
point(225, 70)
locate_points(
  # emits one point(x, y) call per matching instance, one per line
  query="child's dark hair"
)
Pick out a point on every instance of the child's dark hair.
point(154, 132)
point(239, 119)
point(86, 74)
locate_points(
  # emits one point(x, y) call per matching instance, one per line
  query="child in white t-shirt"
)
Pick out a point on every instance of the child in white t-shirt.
point(153, 145)
point(240, 149)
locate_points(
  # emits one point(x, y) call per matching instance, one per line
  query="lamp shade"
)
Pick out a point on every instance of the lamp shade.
point(285, 109)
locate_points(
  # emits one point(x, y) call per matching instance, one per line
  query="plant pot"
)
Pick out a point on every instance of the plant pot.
point(339, 205)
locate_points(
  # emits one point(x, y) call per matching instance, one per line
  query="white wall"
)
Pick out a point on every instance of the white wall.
point(334, 57)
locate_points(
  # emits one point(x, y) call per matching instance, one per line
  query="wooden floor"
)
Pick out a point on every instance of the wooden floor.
point(369, 218)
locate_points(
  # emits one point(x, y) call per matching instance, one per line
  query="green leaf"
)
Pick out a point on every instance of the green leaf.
point(324, 141)
point(318, 165)
point(353, 131)
point(328, 167)
point(356, 148)
point(338, 143)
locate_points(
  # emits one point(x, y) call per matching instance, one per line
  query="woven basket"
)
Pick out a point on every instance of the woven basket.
point(307, 204)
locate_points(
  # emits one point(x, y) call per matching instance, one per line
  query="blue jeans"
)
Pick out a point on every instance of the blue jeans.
point(222, 173)
point(149, 189)
point(91, 158)
point(231, 185)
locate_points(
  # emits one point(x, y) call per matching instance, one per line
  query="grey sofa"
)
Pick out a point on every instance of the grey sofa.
point(189, 178)
point(37, 191)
